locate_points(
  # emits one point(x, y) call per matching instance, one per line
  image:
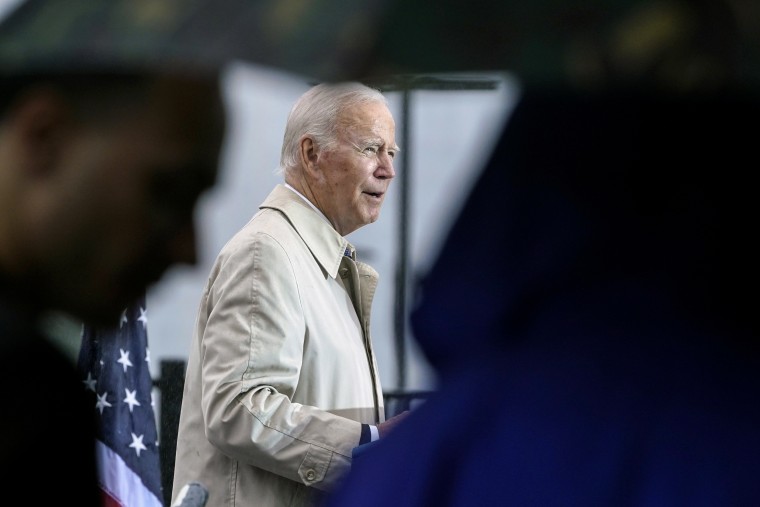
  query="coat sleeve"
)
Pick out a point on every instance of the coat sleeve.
point(251, 354)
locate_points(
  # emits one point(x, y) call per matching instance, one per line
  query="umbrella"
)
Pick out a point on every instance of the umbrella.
point(591, 43)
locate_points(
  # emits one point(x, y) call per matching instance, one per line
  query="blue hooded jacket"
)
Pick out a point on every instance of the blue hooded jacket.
point(591, 317)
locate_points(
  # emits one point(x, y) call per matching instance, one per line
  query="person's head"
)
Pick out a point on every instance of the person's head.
point(99, 176)
point(338, 151)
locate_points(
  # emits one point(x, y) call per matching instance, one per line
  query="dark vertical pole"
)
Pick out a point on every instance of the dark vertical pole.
point(171, 385)
point(403, 241)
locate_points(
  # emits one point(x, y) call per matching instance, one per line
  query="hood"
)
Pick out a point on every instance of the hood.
point(601, 213)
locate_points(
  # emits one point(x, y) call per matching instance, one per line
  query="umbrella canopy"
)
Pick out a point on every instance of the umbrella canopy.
point(591, 43)
point(319, 38)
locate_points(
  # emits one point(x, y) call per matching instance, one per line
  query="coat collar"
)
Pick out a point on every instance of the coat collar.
point(324, 242)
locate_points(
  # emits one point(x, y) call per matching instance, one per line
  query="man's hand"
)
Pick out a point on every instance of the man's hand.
point(384, 427)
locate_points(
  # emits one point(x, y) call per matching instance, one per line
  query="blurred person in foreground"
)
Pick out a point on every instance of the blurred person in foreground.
point(282, 383)
point(110, 128)
point(592, 314)
point(99, 175)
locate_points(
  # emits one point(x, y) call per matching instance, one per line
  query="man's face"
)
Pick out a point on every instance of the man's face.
point(357, 171)
point(126, 201)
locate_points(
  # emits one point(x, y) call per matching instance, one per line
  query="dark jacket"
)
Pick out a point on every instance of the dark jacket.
point(592, 317)
point(47, 428)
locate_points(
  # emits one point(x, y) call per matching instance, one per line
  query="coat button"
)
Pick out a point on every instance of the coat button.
point(311, 475)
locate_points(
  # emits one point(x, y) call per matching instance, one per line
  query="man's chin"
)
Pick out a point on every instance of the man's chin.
point(102, 314)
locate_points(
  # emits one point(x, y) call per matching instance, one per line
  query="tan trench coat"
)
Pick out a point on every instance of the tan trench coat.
point(281, 371)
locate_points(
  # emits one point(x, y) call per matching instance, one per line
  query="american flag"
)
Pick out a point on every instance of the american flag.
point(115, 367)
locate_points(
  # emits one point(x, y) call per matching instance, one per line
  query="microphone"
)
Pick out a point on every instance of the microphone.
point(192, 494)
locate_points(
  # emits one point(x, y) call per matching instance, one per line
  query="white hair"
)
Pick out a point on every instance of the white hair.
point(316, 114)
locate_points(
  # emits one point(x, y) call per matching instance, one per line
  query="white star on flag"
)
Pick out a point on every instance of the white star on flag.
point(102, 403)
point(137, 444)
point(124, 359)
point(131, 399)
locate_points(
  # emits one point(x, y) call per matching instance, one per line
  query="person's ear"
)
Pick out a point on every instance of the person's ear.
point(39, 121)
point(308, 153)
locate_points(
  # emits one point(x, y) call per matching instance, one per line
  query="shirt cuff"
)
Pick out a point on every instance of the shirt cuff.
point(369, 434)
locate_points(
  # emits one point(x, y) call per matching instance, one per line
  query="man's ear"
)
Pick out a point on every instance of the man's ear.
point(308, 153)
point(38, 121)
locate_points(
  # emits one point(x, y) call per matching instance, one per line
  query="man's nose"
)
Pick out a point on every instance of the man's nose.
point(386, 169)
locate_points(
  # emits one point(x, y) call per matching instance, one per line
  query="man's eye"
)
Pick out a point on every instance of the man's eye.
point(370, 149)
point(392, 154)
